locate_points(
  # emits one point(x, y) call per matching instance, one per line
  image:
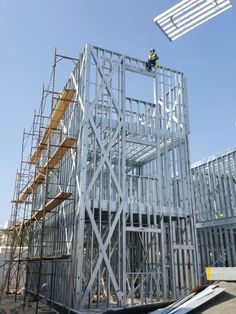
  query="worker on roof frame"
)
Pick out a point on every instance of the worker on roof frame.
point(152, 60)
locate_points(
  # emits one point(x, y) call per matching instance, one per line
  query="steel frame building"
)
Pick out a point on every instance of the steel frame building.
point(104, 190)
point(214, 182)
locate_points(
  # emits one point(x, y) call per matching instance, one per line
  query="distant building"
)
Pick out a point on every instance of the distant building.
point(214, 185)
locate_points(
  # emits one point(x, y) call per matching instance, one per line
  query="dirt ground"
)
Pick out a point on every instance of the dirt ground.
point(9, 306)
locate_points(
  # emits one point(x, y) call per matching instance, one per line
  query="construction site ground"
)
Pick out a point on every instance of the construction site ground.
point(9, 305)
point(224, 303)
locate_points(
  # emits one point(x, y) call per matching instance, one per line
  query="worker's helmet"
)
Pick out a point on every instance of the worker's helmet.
point(152, 50)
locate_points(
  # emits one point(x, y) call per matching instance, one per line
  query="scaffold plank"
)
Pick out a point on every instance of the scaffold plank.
point(58, 113)
point(53, 203)
point(45, 258)
point(29, 190)
point(65, 145)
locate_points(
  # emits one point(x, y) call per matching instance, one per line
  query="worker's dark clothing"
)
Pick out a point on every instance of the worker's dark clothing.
point(152, 60)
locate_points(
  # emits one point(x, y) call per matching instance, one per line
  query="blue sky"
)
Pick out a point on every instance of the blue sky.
point(30, 31)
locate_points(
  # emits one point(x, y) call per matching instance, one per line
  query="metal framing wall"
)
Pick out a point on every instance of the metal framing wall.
point(123, 230)
point(214, 182)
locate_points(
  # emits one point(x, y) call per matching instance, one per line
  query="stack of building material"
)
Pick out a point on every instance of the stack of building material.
point(224, 303)
point(198, 297)
point(202, 300)
point(221, 273)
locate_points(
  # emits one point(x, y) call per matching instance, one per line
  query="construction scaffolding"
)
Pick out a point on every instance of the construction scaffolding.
point(106, 194)
point(214, 182)
point(17, 235)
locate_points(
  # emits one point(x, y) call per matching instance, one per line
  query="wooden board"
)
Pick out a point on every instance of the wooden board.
point(57, 114)
point(53, 203)
point(65, 145)
point(30, 189)
point(45, 258)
